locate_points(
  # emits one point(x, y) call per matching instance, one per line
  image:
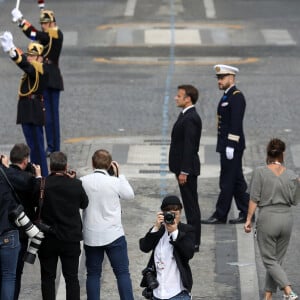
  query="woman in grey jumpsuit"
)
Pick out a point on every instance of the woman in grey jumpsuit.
point(274, 189)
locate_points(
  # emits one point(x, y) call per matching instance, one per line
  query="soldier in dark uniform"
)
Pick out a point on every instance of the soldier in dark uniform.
point(51, 38)
point(31, 110)
point(230, 145)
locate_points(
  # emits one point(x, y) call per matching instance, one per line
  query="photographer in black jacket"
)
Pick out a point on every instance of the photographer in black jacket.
point(64, 197)
point(25, 178)
point(9, 238)
point(169, 239)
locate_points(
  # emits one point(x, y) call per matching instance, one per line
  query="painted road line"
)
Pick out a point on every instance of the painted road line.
point(165, 107)
point(182, 61)
point(279, 37)
point(221, 37)
point(246, 261)
point(130, 8)
point(181, 36)
point(209, 9)
point(189, 25)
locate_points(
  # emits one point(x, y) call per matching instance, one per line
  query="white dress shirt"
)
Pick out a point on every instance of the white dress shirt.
point(102, 218)
point(168, 274)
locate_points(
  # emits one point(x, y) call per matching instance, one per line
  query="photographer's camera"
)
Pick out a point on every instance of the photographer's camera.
point(149, 281)
point(19, 217)
point(169, 217)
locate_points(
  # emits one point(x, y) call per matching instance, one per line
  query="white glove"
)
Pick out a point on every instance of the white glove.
point(229, 152)
point(16, 15)
point(7, 41)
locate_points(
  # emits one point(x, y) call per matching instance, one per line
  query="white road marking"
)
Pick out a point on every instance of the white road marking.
point(277, 37)
point(130, 8)
point(209, 9)
point(163, 37)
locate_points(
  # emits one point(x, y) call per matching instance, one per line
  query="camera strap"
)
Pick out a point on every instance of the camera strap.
point(41, 198)
point(10, 185)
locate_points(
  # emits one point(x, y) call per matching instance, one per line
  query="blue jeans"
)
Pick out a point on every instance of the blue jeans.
point(9, 251)
point(184, 295)
point(118, 257)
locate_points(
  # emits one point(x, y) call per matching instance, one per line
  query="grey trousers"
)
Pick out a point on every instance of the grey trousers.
point(274, 226)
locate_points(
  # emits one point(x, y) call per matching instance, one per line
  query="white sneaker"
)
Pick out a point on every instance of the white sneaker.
point(291, 296)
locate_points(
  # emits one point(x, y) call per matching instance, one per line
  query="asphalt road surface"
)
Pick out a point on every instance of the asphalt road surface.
point(122, 62)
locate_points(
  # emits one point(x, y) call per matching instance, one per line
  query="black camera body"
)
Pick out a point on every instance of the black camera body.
point(44, 227)
point(149, 281)
point(150, 277)
point(30, 168)
point(111, 170)
point(169, 217)
point(147, 293)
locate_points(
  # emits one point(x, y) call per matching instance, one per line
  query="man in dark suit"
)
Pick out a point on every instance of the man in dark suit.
point(63, 198)
point(230, 145)
point(184, 160)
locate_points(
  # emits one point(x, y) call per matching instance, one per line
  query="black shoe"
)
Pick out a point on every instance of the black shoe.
point(239, 220)
point(213, 220)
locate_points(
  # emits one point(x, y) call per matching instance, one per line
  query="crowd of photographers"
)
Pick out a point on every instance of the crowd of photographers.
point(41, 216)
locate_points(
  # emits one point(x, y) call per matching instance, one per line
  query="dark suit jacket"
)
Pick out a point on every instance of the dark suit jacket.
point(231, 110)
point(185, 140)
point(184, 247)
point(27, 188)
point(63, 199)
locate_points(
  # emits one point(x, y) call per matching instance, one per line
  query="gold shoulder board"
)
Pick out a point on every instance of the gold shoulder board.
point(53, 32)
point(38, 66)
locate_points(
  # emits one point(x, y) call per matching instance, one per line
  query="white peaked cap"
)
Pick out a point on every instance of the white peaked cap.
point(224, 69)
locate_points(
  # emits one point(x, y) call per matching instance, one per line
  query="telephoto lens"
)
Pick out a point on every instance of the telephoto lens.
point(33, 248)
point(21, 220)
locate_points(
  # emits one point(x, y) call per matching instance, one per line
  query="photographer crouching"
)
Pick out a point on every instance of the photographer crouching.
point(166, 277)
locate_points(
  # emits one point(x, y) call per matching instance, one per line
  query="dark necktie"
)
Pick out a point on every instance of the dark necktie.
point(224, 97)
point(180, 116)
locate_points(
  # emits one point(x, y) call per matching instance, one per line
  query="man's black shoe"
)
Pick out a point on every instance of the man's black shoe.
point(239, 220)
point(213, 220)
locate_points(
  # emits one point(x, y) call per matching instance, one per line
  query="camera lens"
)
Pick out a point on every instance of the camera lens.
point(169, 217)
